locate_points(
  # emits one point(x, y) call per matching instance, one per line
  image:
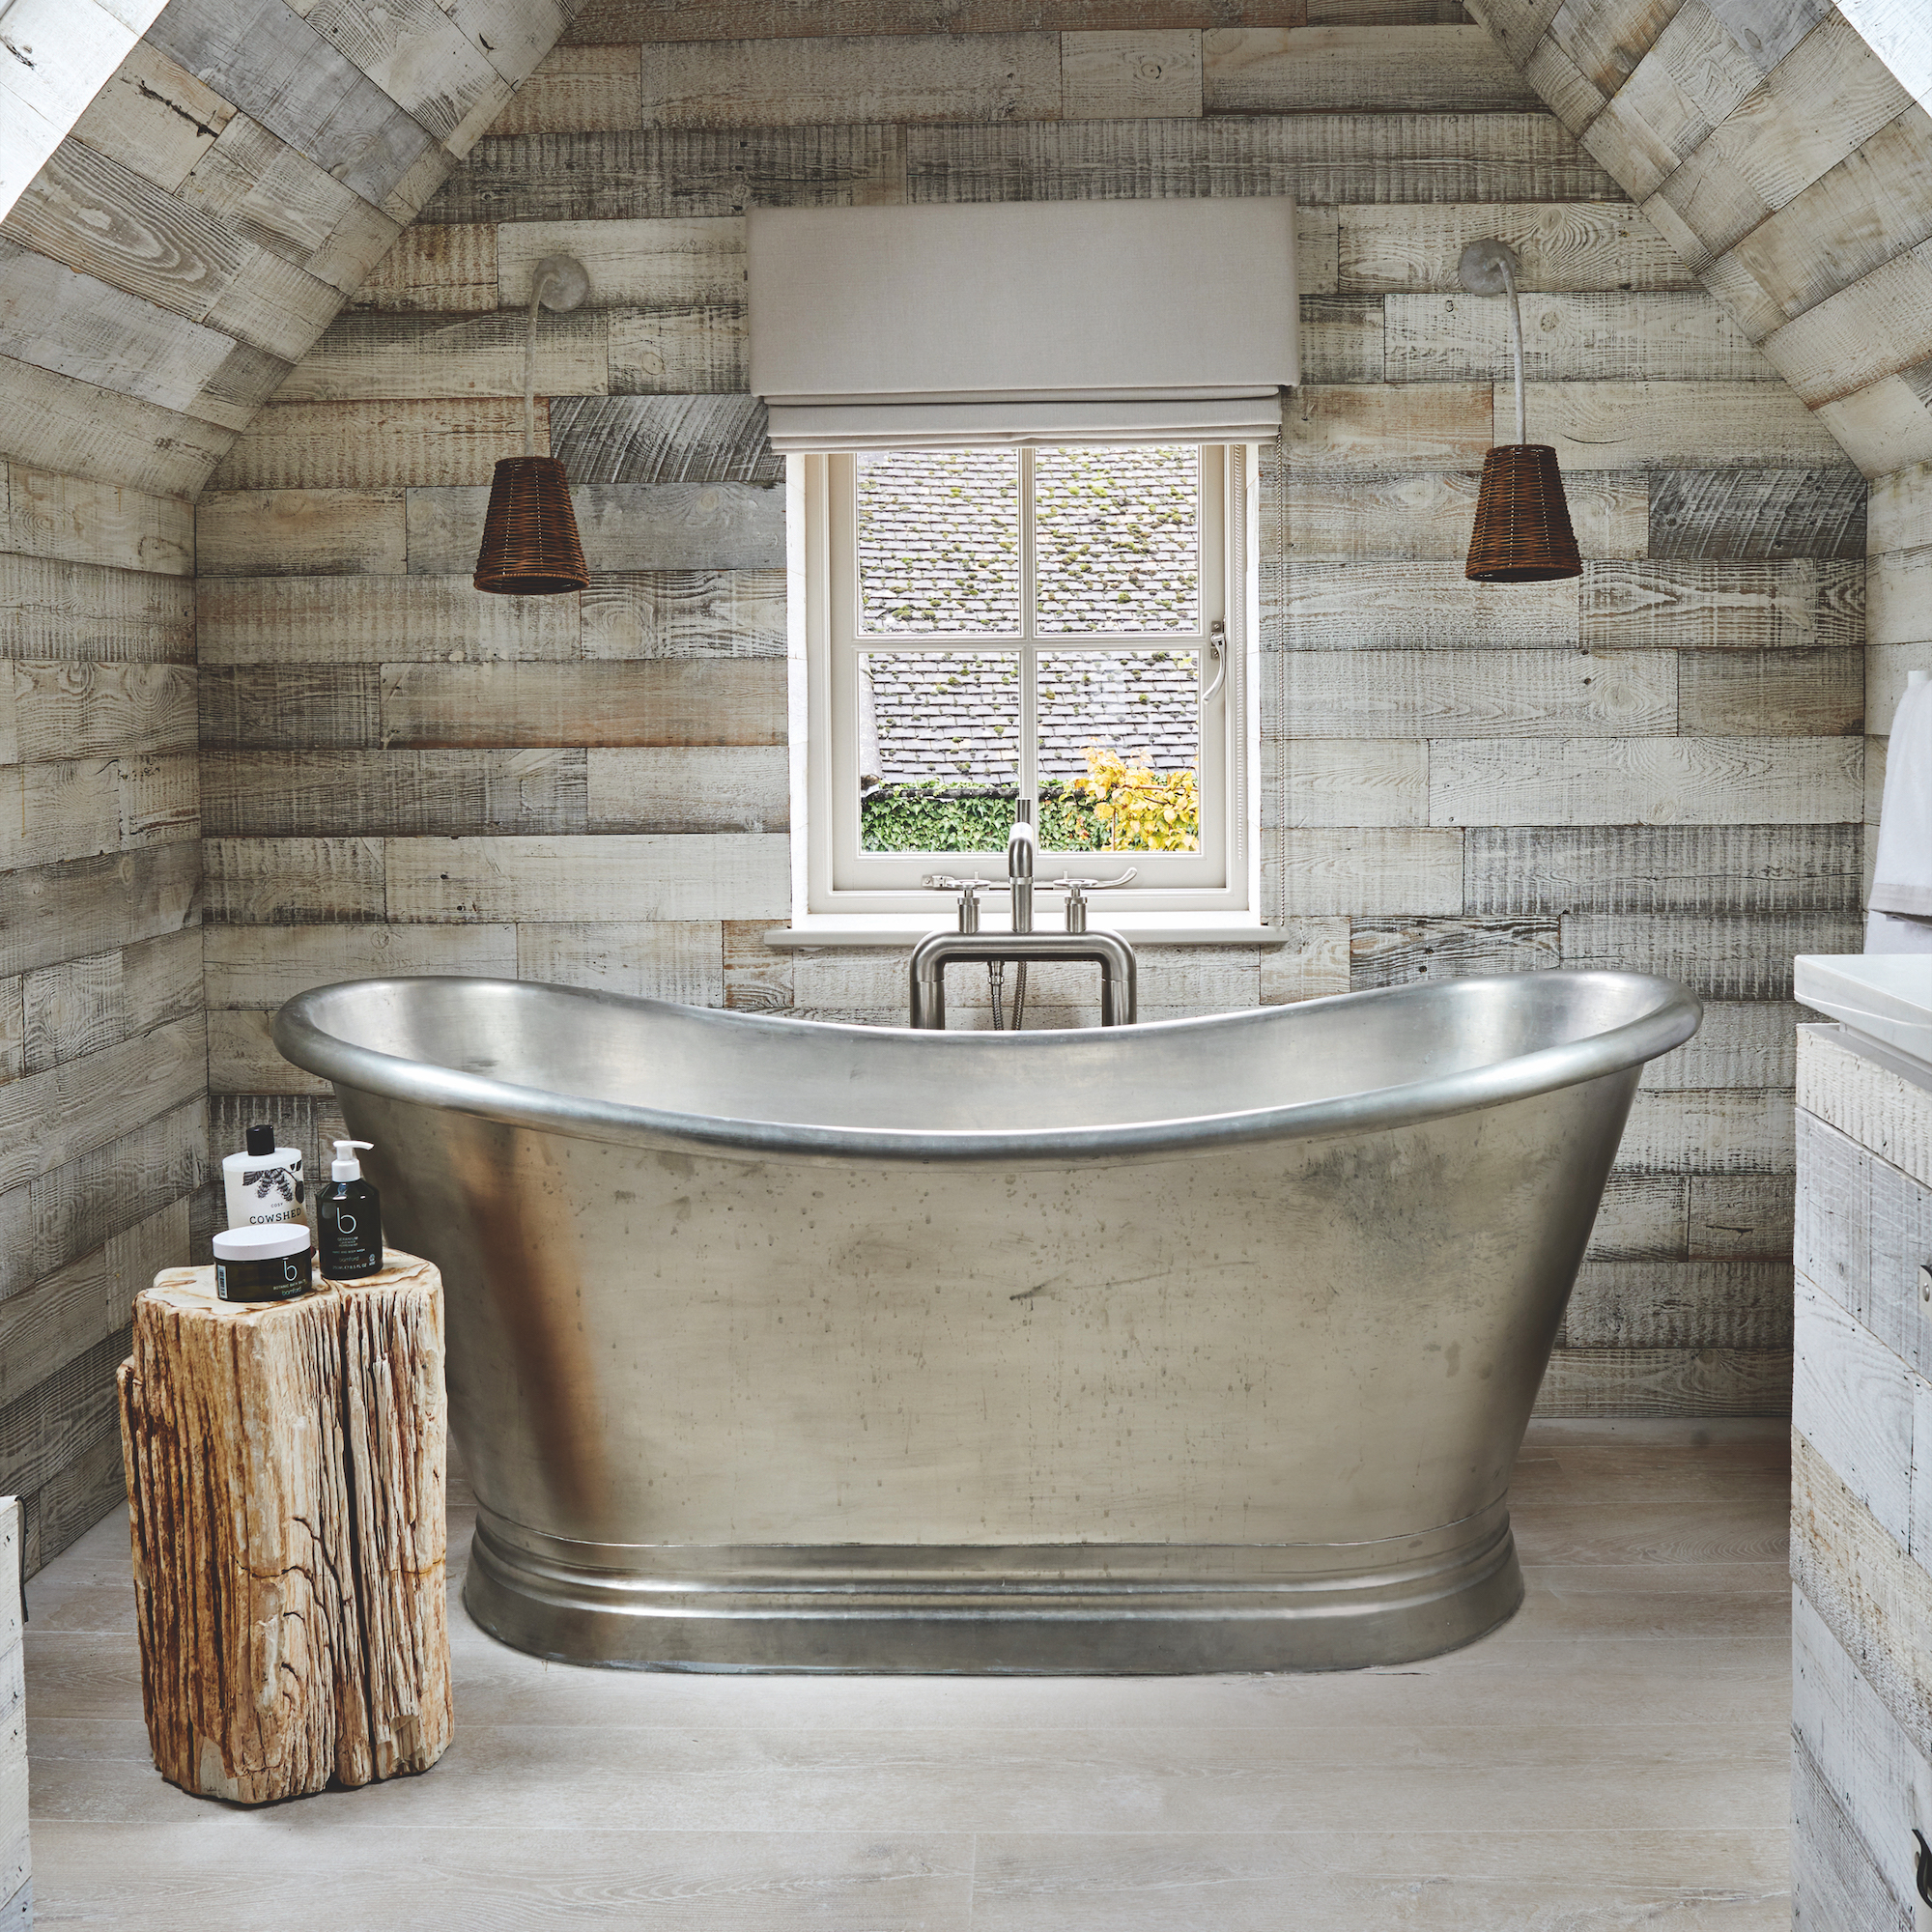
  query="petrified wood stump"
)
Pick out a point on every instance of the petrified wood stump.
point(286, 1475)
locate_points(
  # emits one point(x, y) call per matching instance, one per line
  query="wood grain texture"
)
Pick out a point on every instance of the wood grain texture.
point(439, 268)
point(301, 532)
point(421, 60)
point(1722, 956)
point(705, 439)
point(1346, 782)
point(1317, 159)
point(1388, 426)
point(1806, 602)
point(1740, 516)
point(379, 619)
point(1371, 871)
point(290, 705)
point(260, 967)
point(679, 613)
point(60, 424)
point(1666, 1381)
point(1427, 516)
point(673, 261)
point(1849, 340)
point(81, 520)
point(1884, 427)
point(1765, 693)
point(1379, 604)
point(318, 447)
point(1853, 1399)
point(295, 881)
point(691, 788)
point(70, 908)
point(623, 876)
point(792, 82)
point(268, 193)
point(701, 701)
point(302, 1639)
point(1333, 68)
point(1613, 425)
point(277, 67)
point(1405, 952)
point(655, 173)
point(1864, 1101)
point(605, 20)
point(1127, 75)
point(88, 611)
point(1573, 246)
point(1651, 1304)
point(578, 90)
point(152, 115)
point(88, 709)
point(365, 357)
point(1647, 780)
point(406, 793)
point(663, 960)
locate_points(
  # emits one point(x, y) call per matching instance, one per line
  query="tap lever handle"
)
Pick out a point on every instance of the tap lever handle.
point(1090, 885)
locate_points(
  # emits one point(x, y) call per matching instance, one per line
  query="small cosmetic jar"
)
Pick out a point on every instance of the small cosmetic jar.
point(262, 1264)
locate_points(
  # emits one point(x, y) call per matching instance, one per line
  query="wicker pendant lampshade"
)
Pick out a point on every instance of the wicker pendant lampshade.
point(1522, 532)
point(530, 546)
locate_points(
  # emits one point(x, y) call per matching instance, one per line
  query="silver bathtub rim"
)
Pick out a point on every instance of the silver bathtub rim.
point(1666, 1024)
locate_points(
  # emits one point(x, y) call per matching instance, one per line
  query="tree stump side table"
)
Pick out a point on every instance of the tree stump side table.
point(286, 1470)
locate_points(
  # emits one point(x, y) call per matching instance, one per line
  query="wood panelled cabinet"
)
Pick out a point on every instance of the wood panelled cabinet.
point(1861, 1504)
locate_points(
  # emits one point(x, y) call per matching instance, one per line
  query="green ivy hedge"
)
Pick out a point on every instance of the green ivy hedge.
point(930, 815)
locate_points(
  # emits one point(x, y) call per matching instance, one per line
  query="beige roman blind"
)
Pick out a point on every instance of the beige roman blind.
point(1023, 321)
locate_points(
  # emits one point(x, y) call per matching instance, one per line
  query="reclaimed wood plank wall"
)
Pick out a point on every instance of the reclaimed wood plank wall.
point(1660, 765)
point(180, 251)
point(1791, 170)
point(1860, 1518)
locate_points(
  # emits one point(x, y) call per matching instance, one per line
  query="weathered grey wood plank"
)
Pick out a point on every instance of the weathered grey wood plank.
point(701, 348)
point(1741, 1043)
point(243, 383)
point(1643, 1218)
point(1664, 869)
point(382, 620)
point(1741, 516)
point(77, 1108)
point(45, 1430)
point(1405, 70)
point(1874, 328)
point(78, 611)
point(1744, 1214)
point(277, 67)
point(1317, 159)
point(93, 710)
point(73, 1010)
point(1647, 781)
point(1832, 1227)
point(1573, 246)
point(793, 82)
point(76, 325)
point(57, 423)
point(290, 706)
point(1884, 427)
point(318, 447)
point(1607, 38)
point(1667, 1382)
point(1382, 604)
point(756, 978)
point(1367, 872)
point(684, 614)
point(78, 906)
point(1479, 694)
point(1870, 1594)
point(268, 193)
point(605, 20)
point(403, 793)
point(155, 117)
point(1767, 30)
point(1427, 516)
point(260, 967)
point(363, 357)
point(624, 526)
point(679, 262)
point(1853, 1399)
point(1345, 782)
point(649, 701)
point(578, 90)
point(241, 1057)
point(705, 439)
point(660, 960)
point(1772, 694)
point(1721, 957)
point(621, 875)
point(81, 520)
point(691, 788)
point(1851, 219)
point(100, 219)
point(1666, 335)
point(1403, 952)
point(1835, 1878)
point(421, 60)
point(439, 268)
point(276, 306)
point(1615, 425)
point(1671, 1304)
point(1899, 592)
point(293, 881)
point(1388, 426)
point(302, 532)
point(678, 171)
point(1120, 75)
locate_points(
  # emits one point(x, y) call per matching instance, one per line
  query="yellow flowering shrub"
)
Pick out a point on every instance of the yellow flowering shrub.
point(1141, 810)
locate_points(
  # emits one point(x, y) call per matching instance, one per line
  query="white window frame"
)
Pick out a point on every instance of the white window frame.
point(840, 894)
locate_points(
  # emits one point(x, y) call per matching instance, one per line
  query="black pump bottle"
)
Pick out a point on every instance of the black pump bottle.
point(347, 1219)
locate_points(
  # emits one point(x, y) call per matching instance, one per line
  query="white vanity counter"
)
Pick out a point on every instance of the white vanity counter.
point(1885, 997)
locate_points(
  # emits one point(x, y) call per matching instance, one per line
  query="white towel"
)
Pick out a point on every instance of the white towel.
point(1901, 893)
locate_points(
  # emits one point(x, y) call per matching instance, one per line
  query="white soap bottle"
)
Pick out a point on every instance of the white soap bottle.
point(263, 1183)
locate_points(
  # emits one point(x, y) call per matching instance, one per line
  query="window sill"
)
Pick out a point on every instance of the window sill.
point(832, 930)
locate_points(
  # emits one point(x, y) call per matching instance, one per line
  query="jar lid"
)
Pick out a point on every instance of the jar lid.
point(263, 1243)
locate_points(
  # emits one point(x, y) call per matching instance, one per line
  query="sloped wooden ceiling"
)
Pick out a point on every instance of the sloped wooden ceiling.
point(245, 166)
point(1788, 163)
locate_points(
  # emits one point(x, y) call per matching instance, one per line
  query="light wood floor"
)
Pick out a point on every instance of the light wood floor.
point(1615, 1757)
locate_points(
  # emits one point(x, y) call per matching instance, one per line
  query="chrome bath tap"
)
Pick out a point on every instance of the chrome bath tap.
point(1112, 954)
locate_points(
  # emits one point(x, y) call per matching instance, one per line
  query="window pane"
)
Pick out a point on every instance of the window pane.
point(1116, 539)
point(939, 541)
point(1120, 746)
point(939, 749)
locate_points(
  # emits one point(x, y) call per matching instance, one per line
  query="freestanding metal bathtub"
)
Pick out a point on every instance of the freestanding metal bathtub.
point(1202, 1345)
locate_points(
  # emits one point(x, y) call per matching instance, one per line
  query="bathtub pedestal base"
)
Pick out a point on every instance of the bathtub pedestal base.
point(996, 1611)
